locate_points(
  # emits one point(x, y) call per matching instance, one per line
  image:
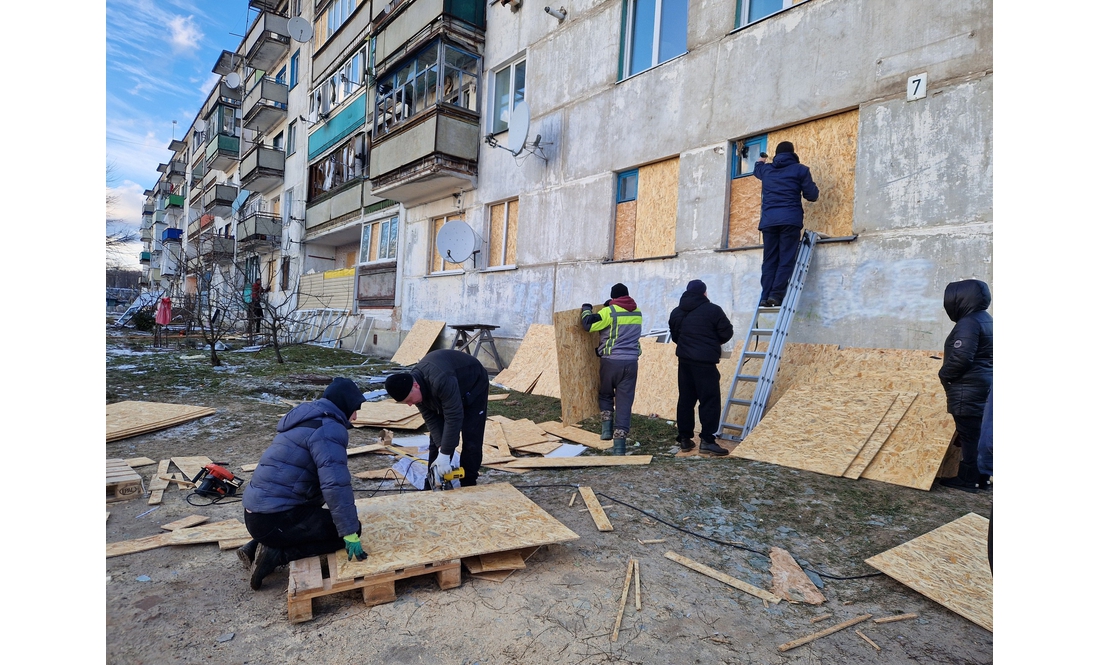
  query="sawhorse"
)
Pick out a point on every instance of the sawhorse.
point(465, 335)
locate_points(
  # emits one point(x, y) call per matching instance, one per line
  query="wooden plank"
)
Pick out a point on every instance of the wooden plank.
point(501, 575)
point(494, 436)
point(655, 226)
point(626, 219)
point(535, 353)
point(157, 485)
point(210, 533)
point(233, 543)
point(766, 596)
point(896, 617)
point(418, 342)
point(383, 412)
point(820, 618)
point(413, 528)
point(637, 585)
point(131, 418)
point(519, 433)
point(948, 565)
point(137, 544)
point(249, 467)
point(305, 575)
point(789, 581)
point(882, 432)
point(579, 462)
point(818, 429)
point(595, 509)
point(622, 600)
point(575, 434)
point(183, 523)
point(191, 466)
point(578, 367)
point(868, 640)
point(370, 448)
point(499, 397)
point(139, 461)
point(787, 646)
point(544, 448)
point(122, 482)
point(494, 561)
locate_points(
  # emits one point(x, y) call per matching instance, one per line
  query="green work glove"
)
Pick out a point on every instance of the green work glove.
point(354, 548)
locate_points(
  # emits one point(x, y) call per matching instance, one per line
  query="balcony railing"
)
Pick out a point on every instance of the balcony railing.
point(158, 216)
point(222, 152)
point(218, 249)
point(177, 171)
point(145, 257)
point(262, 168)
point(218, 200)
point(268, 41)
point(265, 105)
point(175, 201)
point(259, 229)
point(171, 235)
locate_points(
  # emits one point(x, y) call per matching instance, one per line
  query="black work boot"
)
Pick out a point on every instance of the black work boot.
point(685, 444)
point(712, 448)
point(267, 560)
point(619, 442)
point(246, 553)
point(605, 423)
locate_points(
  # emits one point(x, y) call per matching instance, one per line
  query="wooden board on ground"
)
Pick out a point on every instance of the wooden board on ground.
point(415, 528)
point(134, 462)
point(380, 474)
point(370, 448)
point(190, 466)
point(575, 434)
point(158, 484)
point(521, 432)
point(544, 448)
point(882, 432)
point(250, 467)
point(766, 596)
point(595, 509)
point(578, 462)
point(578, 367)
point(499, 397)
point(494, 436)
point(183, 523)
point(418, 342)
point(211, 533)
point(535, 353)
point(131, 418)
point(820, 429)
point(948, 565)
point(790, 582)
point(497, 561)
point(123, 483)
point(501, 575)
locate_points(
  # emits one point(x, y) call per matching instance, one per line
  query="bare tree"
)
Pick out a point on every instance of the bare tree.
point(215, 310)
point(120, 236)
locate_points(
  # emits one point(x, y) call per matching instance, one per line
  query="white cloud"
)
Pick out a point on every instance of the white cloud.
point(185, 34)
point(129, 197)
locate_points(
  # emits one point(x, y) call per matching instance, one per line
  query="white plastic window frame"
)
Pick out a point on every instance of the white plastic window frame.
point(494, 105)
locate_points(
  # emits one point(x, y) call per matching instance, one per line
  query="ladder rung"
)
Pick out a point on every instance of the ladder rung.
point(763, 331)
point(755, 354)
point(767, 309)
point(746, 377)
point(741, 402)
point(732, 426)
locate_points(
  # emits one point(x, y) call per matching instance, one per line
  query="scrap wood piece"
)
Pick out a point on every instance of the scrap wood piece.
point(622, 600)
point(868, 640)
point(595, 509)
point(139, 461)
point(191, 466)
point(157, 485)
point(505, 467)
point(189, 521)
point(789, 582)
point(389, 473)
point(579, 462)
point(637, 585)
point(370, 448)
point(384, 412)
point(137, 544)
point(249, 467)
point(418, 342)
point(820, 618)
point(494, 436)
point(572, 499)
point(496, 561)
point(535, 353)
point(575, 434)
point(498, 397)
point(652, 542)
point(543, 448)
point(233, 543)
point(501, 575)
point(949, 565)
point(766, 596)
point(520, 432)
point(211, 533)
point(122, 482)
point(896, 617)
point(787, 646)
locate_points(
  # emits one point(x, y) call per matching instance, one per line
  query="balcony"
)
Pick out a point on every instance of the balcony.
point(428, 160)
point(265, 105)
point(259, 230)
point(158, 216)
point(412, 23)
point(218, 200)
point(148, 209)
point(262, 168)
point(177, 171)
point(171, 235)
point(216, 249)
point(175, 201)
point(222, 152)
point(145, 258)
point(268, 41)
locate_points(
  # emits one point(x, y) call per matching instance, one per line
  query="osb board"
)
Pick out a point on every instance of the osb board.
point(903, 370)
point(494, 436)
point(655, 391)
point(655, 228)
point(817, 429)
point(518, 433)
point(578, 462)
point(511, 560)
point(190, 466)
point(578, 367)
point(798, 358)
point(534, 355)
point(575, 434)
point(417, 528)
point(513, 232)
point(790, 582)
point(744, 218)
point(384, 412)
point(496, 235)
point(418, 342)
point(882, 432)
point(501, 575)
point(544, 448)
point(139, 461)
point(912, 454)
point(625, 221)
point(126, 419)
point(948, 565)
point(828, 147)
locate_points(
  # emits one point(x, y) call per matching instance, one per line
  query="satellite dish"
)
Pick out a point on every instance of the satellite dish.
point(518, 126)
point(233, 80)
point(456, 241)
point(200, 125)
point(300, 30)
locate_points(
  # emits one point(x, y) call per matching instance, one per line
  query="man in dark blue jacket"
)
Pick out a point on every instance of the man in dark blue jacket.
point(305, 467)
point(783, 185)
point(699, 328)
point(967, 373)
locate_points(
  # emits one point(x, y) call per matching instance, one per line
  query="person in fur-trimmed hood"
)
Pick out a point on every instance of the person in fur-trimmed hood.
point(620, 326)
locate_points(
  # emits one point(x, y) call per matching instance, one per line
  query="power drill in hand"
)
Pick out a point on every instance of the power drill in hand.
point(458, 474)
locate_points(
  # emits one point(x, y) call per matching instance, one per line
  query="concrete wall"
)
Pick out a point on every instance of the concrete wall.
point(923, 174)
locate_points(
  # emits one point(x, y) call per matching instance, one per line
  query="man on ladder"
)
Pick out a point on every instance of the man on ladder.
point(783, 185)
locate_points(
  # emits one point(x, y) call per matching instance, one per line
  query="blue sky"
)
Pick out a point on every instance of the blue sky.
point(159, 57)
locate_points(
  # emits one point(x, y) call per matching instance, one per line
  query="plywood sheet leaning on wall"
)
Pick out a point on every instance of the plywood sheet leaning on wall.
point(820, 429)
point(625, 220)
point(828, 147)
point(131, 418)
point(418, 342)
point(658, 191)
point(578, 367)
point(655, 392)
point(417, 528)
point(949, 565)
point(535, 353)
point(882, 432)
point(744, 218)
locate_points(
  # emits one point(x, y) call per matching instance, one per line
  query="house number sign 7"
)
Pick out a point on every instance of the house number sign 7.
point(916, 87)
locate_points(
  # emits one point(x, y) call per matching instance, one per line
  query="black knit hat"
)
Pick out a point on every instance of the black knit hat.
point(784, 146)
point(399, 385)
point(619, 290)
point(345, 395)
point(697, 286)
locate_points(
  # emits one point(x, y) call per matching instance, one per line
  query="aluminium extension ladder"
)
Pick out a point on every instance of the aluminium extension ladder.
point(771, 357)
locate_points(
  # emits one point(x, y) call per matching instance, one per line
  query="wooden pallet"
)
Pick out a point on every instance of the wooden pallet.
point(123, 483)
point(313, 577)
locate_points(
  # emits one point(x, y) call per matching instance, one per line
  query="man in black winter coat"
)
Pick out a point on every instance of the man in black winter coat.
point(699, 328)
point(967, 373)
point(783, 185)
point(451, 389)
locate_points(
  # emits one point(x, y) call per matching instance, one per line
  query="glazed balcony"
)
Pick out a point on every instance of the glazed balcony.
point(222, 152)
point(259, 230)
point(265, 105)
point(262, 168)
point(174, 201)
point(268, 41)
point(218, 200)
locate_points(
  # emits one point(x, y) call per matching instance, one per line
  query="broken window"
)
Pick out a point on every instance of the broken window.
point(645, 211)
point(503, 223)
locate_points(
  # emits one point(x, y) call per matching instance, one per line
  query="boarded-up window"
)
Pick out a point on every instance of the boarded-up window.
point(503, 225)
point(645, 211)
point(828, 147)
point(437, 262)
point(377, 285)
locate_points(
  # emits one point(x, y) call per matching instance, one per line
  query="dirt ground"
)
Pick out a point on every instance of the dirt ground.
point(192, 604)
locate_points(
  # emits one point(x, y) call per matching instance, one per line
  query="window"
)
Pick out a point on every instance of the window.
point(331, 18)
point(415, 85)
point(378, 241)
point(339, 87)
point(503, 222)
point(281, 76)
point(340, 166)
point(291, 135)
point(653, 31)
point(284, 274)
point(377, 280)
point(645, 211)
point(278, 142)
point(437, 262)
point(745, 155)
point(754, 10)
point(508, 89)
point(294, 68)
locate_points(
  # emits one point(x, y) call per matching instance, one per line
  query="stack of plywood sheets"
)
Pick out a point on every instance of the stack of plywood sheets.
point(388, 414)
point(126, 419)
point(948, 565)
point(536, 354)
point(418, 342)
point(419, 528)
